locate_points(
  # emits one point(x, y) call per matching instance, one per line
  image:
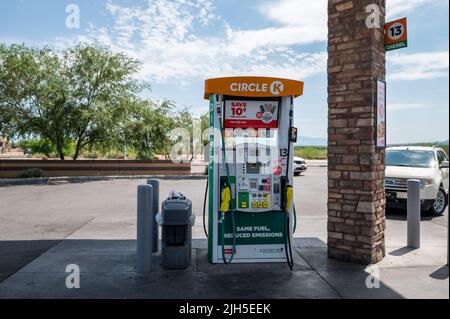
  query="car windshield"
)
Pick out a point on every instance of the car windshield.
point(410, 158)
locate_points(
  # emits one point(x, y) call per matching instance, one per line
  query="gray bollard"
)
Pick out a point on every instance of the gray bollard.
point(144, 229)
point(155, 202)
point(413, 212)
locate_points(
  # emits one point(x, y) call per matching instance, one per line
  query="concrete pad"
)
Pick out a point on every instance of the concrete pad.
point(110, 274)
point(410, 282)
point(408, 257)
point(101, 262)
point(308, 242)
point(317, 258)
point(352, 285)
point(107, 271)
point(402, 276)
point(16, 254)
point(431, 234)
point(52, 285)
point(90, 245)
point(350, 279)
point(262, 285)
point(175, 286)
point(240, 270)
point(416, 282)
point(313, 227)
point(200, 243)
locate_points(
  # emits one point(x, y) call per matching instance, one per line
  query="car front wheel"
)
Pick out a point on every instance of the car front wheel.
point(440, 203)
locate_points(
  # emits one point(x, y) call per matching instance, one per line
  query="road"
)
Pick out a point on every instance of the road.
point(35, 218)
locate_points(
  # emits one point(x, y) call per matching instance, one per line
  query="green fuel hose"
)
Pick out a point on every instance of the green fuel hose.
point(232, 206)
point(287, 237)
point(295, 218)
point(204, 207)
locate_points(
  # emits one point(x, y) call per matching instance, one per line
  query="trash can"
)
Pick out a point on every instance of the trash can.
point(176, 221)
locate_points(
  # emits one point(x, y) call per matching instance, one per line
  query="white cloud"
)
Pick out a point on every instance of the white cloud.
point(308, 18)
point(419, 66)
point(248, 41)
point(395, 8)
point(297, 12)
point(174, 40)
point(312, 15)
point(407, 106)
point(184, 40)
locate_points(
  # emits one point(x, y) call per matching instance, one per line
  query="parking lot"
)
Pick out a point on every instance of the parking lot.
point(35, 218)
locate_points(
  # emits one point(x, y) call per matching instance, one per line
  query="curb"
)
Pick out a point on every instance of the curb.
point(84, 179)
point(317, 163)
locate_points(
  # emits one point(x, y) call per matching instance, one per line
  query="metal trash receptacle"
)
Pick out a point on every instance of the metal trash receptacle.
point(176, 221)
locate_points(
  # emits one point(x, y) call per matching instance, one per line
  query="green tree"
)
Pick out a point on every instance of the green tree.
point(34, 95)
point(103, 90)
point(82, 95)
point(148, 128)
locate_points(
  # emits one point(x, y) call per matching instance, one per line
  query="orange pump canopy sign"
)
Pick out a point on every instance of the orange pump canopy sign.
point(252, 86)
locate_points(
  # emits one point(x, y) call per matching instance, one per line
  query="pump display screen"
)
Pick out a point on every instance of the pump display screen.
point(251, 114)
point(253, 168)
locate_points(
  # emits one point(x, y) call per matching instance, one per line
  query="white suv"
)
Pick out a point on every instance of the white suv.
point(429, 165)
point(299, 165)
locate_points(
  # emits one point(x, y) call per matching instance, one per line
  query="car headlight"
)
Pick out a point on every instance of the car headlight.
point(426, 182)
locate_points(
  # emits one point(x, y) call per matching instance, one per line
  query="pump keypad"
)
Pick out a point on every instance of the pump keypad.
point(255, 193)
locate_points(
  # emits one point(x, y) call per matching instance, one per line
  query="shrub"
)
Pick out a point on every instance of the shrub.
point(38, 146)
point(32, 173)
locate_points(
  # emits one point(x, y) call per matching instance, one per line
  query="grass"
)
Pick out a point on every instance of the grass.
point(310, 152)
point(318, 152)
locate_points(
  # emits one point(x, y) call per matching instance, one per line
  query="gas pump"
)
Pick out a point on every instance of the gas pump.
point(250, 171)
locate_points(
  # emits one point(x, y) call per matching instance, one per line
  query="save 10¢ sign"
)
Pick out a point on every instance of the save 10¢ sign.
point(396, 34)
point(251, 114)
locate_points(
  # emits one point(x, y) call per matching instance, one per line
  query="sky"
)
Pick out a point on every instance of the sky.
point(183, 42)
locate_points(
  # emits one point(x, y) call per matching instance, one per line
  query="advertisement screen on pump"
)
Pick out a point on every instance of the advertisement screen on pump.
point(251, 114)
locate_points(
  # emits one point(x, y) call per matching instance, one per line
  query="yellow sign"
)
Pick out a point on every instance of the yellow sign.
point(253, 86)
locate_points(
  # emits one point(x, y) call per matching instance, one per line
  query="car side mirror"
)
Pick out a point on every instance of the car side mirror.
point(444, 164)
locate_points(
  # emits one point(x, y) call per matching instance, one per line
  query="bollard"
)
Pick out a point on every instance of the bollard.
point(144, 229)
point(413, 212)
point(155, 201)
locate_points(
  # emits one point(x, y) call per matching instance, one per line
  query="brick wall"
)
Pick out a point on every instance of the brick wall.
point(356, 198)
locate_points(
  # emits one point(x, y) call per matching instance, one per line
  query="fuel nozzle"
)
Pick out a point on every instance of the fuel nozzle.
point(225, 199)
point(289, 196)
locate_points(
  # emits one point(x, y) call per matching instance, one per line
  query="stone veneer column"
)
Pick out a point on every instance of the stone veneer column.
point(356, 198)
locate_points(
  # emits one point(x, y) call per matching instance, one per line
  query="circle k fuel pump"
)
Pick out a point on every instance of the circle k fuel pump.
point(250, 172)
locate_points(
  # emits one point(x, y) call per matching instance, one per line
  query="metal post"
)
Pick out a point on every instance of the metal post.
point(413, 207)
point(144, 228)
point(155, 202)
